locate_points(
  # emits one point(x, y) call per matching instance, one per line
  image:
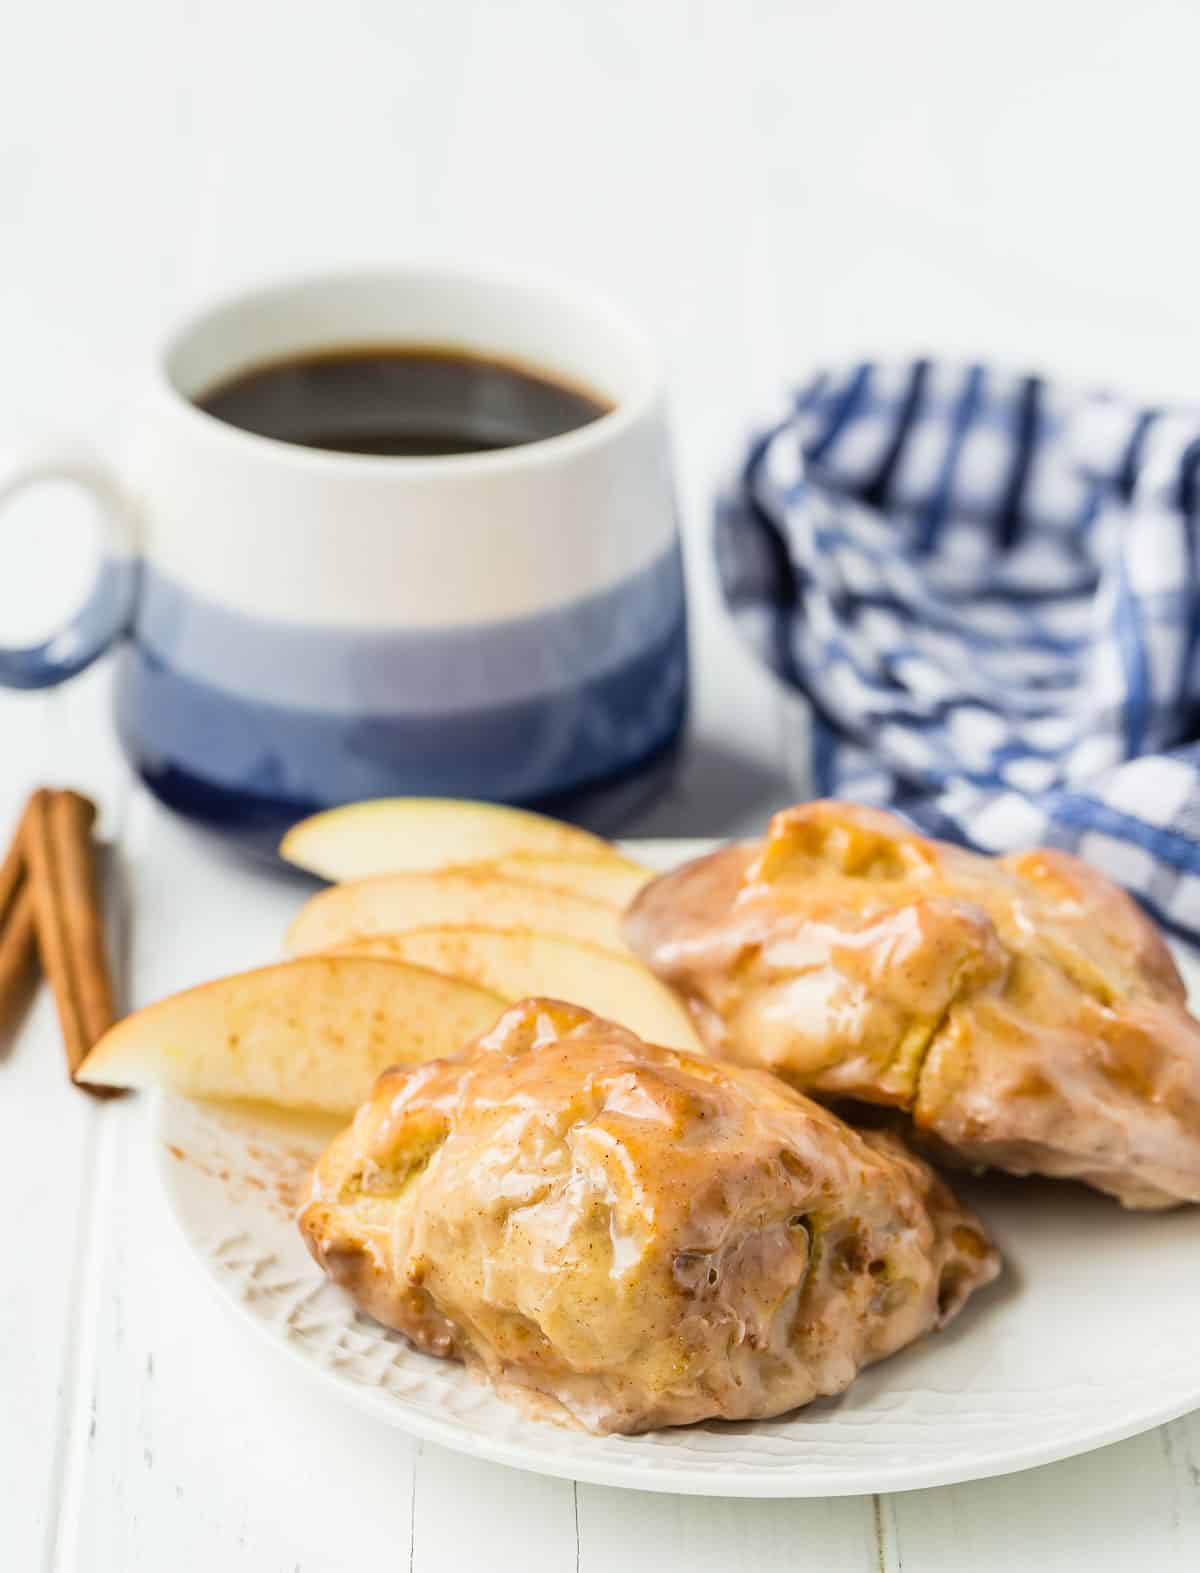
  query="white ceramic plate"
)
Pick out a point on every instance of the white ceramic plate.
point(1089, 1337)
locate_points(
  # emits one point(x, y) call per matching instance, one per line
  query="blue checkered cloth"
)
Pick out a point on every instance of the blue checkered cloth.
point(988, 586)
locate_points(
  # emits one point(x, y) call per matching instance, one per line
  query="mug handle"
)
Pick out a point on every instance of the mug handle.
point(108, 610)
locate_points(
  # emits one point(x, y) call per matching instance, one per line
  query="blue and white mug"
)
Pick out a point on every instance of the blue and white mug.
point(306, 628)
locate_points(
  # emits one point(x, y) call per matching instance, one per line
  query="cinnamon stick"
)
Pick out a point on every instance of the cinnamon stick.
point(12, 870)
point(61, 862)
point(18, 949)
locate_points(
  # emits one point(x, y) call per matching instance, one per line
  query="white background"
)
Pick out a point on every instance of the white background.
point(764, 185)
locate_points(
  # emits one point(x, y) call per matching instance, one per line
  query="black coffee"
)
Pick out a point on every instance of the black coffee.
point(397, 399)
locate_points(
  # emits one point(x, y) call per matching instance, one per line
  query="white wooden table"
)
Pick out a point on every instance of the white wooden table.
point(765, 184)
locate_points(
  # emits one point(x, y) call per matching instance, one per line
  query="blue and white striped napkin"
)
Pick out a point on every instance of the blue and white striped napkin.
point(988, 585)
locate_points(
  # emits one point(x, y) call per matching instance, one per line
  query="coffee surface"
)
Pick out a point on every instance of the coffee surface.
point(418, 401)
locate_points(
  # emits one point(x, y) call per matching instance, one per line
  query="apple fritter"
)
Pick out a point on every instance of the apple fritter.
point(1022, 1010)
point(624, 1236)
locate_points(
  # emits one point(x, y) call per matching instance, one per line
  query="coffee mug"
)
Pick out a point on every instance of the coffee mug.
point(305, 627)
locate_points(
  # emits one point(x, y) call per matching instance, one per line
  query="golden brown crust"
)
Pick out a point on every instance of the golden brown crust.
point(1022, 1009)
point(636, 1236)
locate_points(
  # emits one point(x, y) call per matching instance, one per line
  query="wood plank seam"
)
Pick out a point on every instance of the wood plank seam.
point(412, 1505)
point(80, 1339)
point(877, 1525)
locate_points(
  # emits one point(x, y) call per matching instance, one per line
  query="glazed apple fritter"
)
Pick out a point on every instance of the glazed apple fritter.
point(625, 1236)
point(1022, 1010)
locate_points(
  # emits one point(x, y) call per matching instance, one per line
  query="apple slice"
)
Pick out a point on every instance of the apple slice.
point(614, 880)
point(396, 903)
point(520, 962)
point(309, 1034)
point(409, 834)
